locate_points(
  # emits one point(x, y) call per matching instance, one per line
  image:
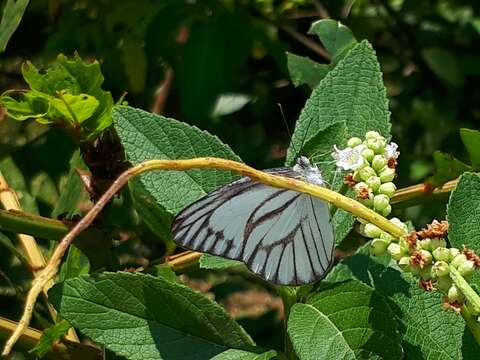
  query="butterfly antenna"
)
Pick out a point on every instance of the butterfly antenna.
point(287, 127)
point(304, 137)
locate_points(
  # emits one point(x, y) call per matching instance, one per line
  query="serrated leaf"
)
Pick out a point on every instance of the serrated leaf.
point(25, 106)
point(147, 136)
point(212, 262)
point(49, 337)
point(352, 94)
point(11, 17)
point(302, 70)
point(335, 37)
point(234, 354)
point(137, 320)
point(428, 331)
point(348, 321)
point(471, 140)
point(464, 216)
point(446, 168)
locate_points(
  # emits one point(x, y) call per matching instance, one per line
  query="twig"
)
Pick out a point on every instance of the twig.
point(51, 269)
point(9, 200)
point(162, 92)
point(415, 191)
point(305, 40)
point(322, 10)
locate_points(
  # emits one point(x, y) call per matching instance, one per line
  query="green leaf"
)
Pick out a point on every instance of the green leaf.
point(212, 262)
point(444, 64)
point(73, 191)
point(335, 37)
point(428, 331)
point(351, 94)
point(75, 264)
point(447, 168)
point(69, 91)
point(146, 136)
point(234, 354)
point(28, 106)
point(75, 108)
point(147, 317)
point(463, 215)
point(165, 271)
point(348, 321)
point(302, 70)
point(49, 337)
point(471, 140)
point(12, 15)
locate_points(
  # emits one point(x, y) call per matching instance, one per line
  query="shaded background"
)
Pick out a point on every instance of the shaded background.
point(178, 58)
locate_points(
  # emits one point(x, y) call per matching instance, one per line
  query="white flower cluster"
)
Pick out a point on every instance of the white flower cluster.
point(373, 164)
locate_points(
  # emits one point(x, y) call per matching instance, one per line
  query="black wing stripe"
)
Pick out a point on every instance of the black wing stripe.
point(320, 232)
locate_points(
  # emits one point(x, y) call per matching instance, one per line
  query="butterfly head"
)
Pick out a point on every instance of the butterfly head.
point(310, 173)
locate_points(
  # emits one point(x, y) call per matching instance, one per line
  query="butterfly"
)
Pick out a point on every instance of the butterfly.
point(283, 236)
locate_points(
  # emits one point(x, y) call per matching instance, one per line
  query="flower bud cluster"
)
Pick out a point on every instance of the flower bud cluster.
point(423, 253)
point(373, 162)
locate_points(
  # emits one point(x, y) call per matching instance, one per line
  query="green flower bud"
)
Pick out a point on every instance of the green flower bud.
point(368, 154)
point(380, 202)
point(396, 251)
point(444, 283)
point(385, 212)
point(466, 268)
point(453, 252)
point(377, 145)
point(387, 188)
point(458, 260)
point(437, 242)
point(426, 256)
point(387, 175)
point(454, 294)
point(378, 247)
point(404, 263)
point(440, 268)
point(372, 135)
point(373, 182)
point(386, 236)
point(426, 272)
point(354, 141)
point(372, 231)
point(425, 244)
point(442, 254)
point(366, 173)
point(399, 223)
point(378, 162)
point(356, 176)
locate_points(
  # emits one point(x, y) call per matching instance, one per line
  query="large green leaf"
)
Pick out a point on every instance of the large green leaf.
point(464, 216)
point(234, 354)
point(144, 317)
point(351, 94)
point(428, 331)
point(345, 321)
point(146, 136)
point(12, 15)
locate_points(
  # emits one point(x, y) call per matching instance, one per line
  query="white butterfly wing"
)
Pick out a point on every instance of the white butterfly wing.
point(283, 236)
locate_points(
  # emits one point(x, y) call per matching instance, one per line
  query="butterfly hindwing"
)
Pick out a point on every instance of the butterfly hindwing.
point(284, 236)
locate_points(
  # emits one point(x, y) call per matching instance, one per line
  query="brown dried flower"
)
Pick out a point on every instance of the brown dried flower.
point(437, 229)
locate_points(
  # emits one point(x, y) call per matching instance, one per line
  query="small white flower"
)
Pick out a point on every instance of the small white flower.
point(349, 158)
point(391, 151)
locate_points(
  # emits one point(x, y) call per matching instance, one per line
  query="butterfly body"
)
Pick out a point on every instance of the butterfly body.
point(281, 235)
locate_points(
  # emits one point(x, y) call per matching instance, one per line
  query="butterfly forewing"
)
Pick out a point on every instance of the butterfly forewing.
point(284, 236)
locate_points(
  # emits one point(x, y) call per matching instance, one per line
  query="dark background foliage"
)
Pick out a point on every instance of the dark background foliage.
point(179, 57)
